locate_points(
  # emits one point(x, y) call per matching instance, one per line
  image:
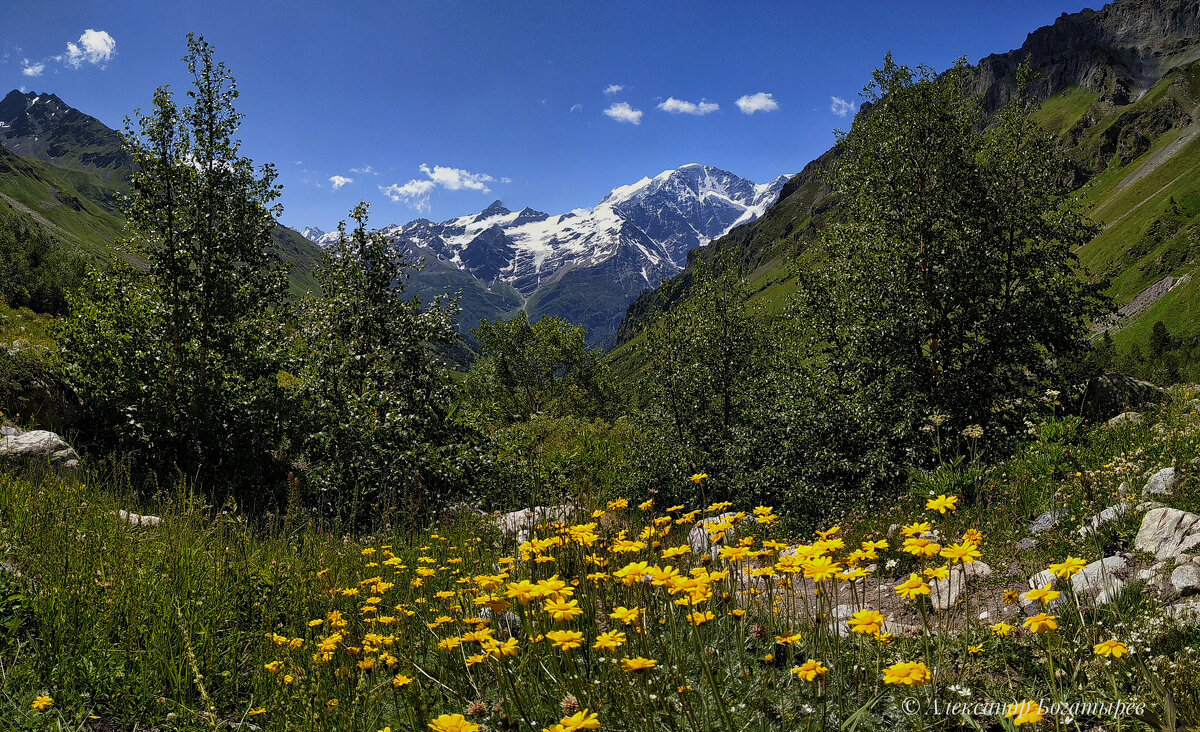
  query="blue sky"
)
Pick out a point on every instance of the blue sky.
point(437, 108)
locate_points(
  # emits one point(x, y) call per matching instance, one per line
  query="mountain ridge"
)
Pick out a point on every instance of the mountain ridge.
point(633, 238)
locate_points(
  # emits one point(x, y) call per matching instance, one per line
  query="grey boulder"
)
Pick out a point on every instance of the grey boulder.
point(40, 446)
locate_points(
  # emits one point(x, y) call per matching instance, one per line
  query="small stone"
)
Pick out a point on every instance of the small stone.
point(1115, 586)
point(1046, 521)
point(136, 519)
point(1099, 575)
point(1186, 580)
point(1107, 516)
point(946, 593)
point(984, 615)
point(1161, 482)
point(1125, 418)
point(1186, 612)
point(1026, 544)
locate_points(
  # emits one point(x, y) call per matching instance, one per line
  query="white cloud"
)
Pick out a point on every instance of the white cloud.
point(94, 47)
point(457, 178)
point(368, 170)
point(613, 88)
point(679, 106)
point(841, 107)
point(622, 112)
point(760, 102)
point(32, 68)
point(506, 180)
point(577, 108)
point(416, 192)
point(339, 180)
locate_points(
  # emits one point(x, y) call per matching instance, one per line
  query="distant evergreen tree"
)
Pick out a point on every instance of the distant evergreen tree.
point(1160, 342)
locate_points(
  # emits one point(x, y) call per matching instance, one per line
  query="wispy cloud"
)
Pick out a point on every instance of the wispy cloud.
point(32, 68)
point(576, 108)
point(415, 193)
point(93, 47)
point(339, 181)
point(613, 88)
point(841, 107)
point(679, 106)
point(622, 112)
point(368, 170)
point(760, 102)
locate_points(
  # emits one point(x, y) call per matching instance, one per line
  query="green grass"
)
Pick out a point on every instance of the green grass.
point(204, 620)
point(1061, 112)
point(24, 324)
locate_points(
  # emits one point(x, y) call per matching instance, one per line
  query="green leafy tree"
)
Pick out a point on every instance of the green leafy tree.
point(948, 286)
point(706, 372)
point(170, 345)
point(377, 420)
point(538, 368)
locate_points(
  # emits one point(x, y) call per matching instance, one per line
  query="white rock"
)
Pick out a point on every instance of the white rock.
point(136, 519)
point(40, 445)
point(1186, 579)
point(945, 593)
point(1114, 588)
point(698, 538)
point(1168, 532)
point(1107, 516)
point(1129, 418)
point(1161, 482)
point(1099, 575)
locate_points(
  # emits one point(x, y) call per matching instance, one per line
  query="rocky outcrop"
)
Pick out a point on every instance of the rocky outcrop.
point(38, 447)
point(1109, 395)
point(1168, 532)
point(1116, 51)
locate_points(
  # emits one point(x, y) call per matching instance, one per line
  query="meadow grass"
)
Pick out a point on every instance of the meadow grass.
point(211, 620)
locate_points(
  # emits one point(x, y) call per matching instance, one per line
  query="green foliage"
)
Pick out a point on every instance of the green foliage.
point(950, 286)
point(375, 401)
point(175, 358)
point(707, 377)
point(539, 368)
point(35, 269)
point(556, 460)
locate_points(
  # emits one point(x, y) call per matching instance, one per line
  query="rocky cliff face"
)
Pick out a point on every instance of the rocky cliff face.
point(43, 127)
point(1119, 51)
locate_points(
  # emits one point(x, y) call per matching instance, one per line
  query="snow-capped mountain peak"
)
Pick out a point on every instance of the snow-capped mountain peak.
point(635, 237)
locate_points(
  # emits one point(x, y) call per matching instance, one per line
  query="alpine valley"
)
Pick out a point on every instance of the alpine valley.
point(584, 265)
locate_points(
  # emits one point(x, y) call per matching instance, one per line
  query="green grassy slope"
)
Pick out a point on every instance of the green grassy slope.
point(79, 209)
point(50, 196)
